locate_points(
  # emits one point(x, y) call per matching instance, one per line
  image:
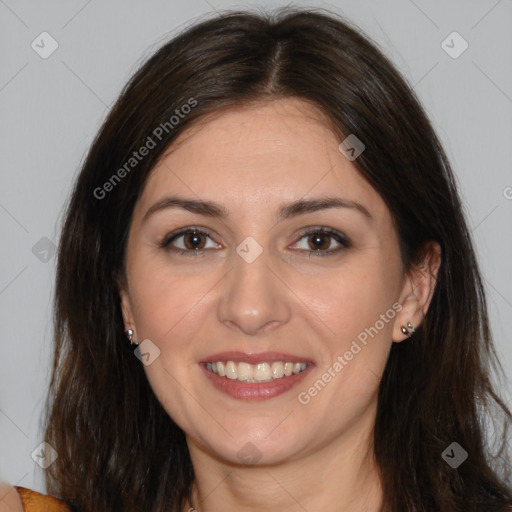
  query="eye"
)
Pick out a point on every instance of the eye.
point(194, 241)
point(192, 244)
point(319, 239)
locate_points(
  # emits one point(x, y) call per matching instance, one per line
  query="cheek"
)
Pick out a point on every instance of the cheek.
point(167, 319)
point(166, 309)
point(352, 301)
point(163, 300)
point(358, 310)
point(169, 307)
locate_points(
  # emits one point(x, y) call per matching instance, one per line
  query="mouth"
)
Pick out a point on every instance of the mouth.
point(255, 376)
point(260, 372)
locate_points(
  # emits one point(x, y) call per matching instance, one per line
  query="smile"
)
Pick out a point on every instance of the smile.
point(253, 373)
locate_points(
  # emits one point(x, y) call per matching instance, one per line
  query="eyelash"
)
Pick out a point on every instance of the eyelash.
point(339, 237)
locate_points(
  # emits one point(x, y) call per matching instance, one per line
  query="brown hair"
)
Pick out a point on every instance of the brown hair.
point(118, 448)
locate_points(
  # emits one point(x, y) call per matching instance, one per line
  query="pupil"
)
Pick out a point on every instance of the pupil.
point(196, 240)
point(317, 240)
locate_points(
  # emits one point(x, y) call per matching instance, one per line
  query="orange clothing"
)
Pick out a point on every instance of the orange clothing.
point(34, 501)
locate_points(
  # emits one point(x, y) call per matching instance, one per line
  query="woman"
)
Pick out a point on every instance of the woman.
point(269, 218)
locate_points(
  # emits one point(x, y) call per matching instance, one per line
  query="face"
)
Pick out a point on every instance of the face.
point(261, 285)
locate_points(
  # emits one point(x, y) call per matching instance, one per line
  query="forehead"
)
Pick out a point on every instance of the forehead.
point(276, 151)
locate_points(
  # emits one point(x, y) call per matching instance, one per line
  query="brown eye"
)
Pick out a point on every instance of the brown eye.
point(188, 241)
point(192, 240)
point(320, 239)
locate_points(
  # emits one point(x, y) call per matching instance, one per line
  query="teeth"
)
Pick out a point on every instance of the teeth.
point(277, 370)
point(261, 372)
point(230, 370)
point(221, 370)
point(245, 372)
point(296, 368)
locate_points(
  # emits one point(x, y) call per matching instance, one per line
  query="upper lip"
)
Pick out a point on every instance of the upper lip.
point(254, 358)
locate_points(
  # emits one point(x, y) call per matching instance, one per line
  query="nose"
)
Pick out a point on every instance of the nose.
point(255, 298)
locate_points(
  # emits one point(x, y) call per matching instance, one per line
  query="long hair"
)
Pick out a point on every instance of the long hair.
point(117, 447)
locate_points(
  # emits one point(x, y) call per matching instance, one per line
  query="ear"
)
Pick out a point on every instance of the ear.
point(417, 291)
point(126, 307)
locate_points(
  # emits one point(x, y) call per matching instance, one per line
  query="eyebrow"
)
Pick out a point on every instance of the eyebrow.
point(286, 211)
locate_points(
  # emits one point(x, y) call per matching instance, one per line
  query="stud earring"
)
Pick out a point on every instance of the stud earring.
point(406, 330)
point(129, 335)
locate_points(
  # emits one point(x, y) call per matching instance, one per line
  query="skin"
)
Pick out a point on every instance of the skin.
point(10, 500)
point(252, 160)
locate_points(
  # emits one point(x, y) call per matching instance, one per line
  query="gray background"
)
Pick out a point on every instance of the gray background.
point(51, 108)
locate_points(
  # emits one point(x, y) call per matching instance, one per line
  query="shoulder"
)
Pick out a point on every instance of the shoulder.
point(21, 499)
point(10, 500)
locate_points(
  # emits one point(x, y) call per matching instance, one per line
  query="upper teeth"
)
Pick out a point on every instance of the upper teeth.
point(261, 372)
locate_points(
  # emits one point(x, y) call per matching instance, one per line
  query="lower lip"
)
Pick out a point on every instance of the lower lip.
point(254, 390)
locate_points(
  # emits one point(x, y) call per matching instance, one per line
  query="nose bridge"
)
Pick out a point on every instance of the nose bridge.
point(254, 297)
